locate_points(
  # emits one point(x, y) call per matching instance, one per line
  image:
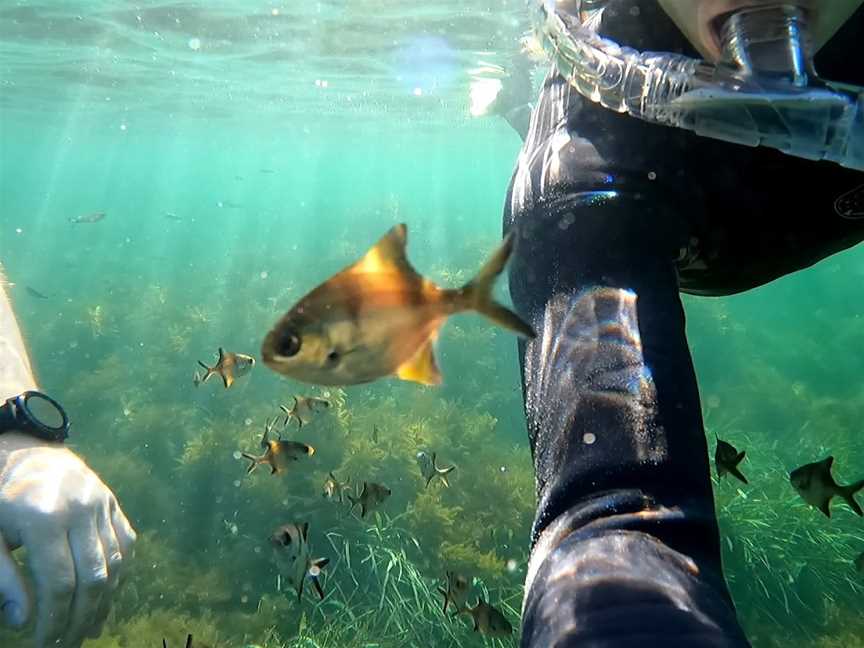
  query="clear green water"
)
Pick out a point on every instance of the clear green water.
point(279, 181)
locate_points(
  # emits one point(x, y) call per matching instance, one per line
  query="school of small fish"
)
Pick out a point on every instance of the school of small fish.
point(813, 482)
point(377, 318)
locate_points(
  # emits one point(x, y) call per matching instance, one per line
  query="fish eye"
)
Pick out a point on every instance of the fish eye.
point(289, 344)
point(333, 357)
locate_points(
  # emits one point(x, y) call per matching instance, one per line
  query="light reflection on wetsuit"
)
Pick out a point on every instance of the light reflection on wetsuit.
point(613, 217)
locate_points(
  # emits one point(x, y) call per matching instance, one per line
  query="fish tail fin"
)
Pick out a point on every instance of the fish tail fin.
point(442, 474)
point(253, 462)
point(208, 371)
point(848, 493)
point(477, 293)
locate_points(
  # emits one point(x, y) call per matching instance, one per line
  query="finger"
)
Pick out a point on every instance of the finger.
point(114, 559)
point(91, 579)
point(126, 535)
point(50, 560)
point(15, 603)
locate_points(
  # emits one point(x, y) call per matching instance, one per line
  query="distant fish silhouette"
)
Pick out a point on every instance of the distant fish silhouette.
point(95, 217)
point(35, 293)
point(727, 458)
point(228, 204)
point(816, 486)
point(172, 216)
point(268, 170)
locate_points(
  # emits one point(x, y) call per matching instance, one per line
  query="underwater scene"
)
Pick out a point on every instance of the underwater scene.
point(176, 175)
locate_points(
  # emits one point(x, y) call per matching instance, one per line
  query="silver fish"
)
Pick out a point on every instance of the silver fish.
point(370, 498)
point(279, 454)
point(229, 366)
point(430, 470)
point(293, 557)
point(304, 409)
point(95, 217)
point(488, 620)
point(334, 489)
point(456, 594)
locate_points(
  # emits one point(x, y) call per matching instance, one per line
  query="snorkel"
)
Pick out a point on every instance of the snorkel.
point(764, 90)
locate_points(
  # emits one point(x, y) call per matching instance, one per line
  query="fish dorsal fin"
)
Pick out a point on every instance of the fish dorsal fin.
point(387, 255)
point(304, 530)
point(422, 367)
point(828, 462)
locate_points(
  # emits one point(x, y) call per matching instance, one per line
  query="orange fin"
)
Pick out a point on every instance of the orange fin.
point(387, 255)
point(422, 367)
point(477, 293)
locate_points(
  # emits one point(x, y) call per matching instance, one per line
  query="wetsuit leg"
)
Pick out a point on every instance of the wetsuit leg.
point(625, 543)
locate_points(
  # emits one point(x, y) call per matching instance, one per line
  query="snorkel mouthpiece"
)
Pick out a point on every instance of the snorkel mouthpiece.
point(763, 92)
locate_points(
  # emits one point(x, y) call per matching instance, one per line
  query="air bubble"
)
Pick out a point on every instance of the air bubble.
point(195, 44)
point(589, 438)
point(237, 454)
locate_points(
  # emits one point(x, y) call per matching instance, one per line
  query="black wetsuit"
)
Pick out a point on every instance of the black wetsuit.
point(614, 216)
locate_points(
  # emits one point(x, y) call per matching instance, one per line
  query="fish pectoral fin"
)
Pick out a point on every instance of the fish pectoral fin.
point(825, 507)
point(738, 474)
point(227, 379)
point(740, 457)
point(422, 367)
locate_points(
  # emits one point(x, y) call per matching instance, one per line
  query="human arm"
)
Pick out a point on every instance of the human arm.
point(51, 503)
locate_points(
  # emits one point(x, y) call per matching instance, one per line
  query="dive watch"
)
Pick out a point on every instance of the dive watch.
point(35, 414)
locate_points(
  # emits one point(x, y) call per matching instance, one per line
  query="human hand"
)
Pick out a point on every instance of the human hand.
point(77, 539)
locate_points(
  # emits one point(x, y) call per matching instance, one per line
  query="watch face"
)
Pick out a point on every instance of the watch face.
point(35, 414)
point(44, 411)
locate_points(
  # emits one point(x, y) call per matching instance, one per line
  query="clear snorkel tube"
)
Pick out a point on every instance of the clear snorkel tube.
point(763, 92)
